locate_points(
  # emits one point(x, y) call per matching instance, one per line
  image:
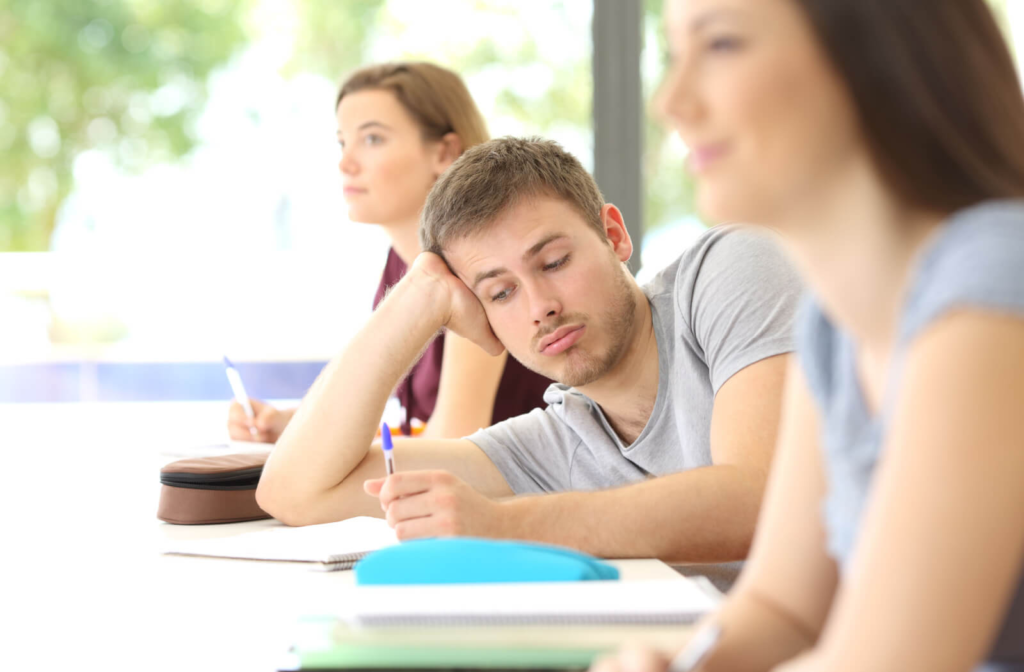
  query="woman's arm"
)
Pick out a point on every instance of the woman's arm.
point(779, 606)
point(942, 540)
point(467, 390)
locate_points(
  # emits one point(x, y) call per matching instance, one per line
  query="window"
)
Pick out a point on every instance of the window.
point(171, 194)
point(169, 191)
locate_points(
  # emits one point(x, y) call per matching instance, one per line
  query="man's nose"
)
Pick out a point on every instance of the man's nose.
point(544, 307)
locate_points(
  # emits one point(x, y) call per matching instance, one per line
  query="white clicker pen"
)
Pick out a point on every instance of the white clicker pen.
point(241, 397)
point(697, 650)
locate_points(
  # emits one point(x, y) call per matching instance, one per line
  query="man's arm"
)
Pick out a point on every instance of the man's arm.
point(701, 515)
point(315, 472)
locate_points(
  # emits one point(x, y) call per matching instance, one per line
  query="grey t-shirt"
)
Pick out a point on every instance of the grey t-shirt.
point(726, 303)
point(976, 260)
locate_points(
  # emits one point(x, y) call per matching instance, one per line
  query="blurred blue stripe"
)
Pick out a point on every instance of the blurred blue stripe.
point(152, 381)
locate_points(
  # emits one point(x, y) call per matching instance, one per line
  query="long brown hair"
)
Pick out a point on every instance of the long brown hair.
point(937, 94)
point(436, 98)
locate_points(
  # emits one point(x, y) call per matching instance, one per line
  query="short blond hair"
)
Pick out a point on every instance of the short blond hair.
point(498, 175)
point(436, 97)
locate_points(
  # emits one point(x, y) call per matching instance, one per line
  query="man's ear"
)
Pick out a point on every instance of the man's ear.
point(616, 233)
point(449, 148)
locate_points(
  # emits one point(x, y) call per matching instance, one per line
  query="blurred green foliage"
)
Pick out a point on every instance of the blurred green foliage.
point(126, 77)
point(334, 39)
point(332, 36)
point(669, 189)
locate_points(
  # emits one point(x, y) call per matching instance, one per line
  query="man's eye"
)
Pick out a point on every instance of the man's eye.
point(502, 295)
point(556, 264)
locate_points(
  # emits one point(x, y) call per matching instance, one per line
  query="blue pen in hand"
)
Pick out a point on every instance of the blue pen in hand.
point(387, 446)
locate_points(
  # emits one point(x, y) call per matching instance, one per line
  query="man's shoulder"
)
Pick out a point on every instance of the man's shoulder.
point(725, 260)
point(731, 297)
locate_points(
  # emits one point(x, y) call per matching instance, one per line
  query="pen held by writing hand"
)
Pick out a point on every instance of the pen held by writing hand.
point(238, 389)
point(387, 446)
point(697, 650)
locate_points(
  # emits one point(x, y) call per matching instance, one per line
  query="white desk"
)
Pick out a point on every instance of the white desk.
point(83, 584)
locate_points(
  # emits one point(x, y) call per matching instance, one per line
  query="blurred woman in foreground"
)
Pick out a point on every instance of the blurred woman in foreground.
point(884, 141)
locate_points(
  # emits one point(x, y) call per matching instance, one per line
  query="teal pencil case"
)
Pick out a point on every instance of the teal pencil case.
point(471, 560)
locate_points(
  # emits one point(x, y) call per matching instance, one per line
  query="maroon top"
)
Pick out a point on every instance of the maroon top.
point(519, 391)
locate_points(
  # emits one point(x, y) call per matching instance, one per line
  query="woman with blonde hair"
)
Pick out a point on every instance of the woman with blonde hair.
point(400, 126)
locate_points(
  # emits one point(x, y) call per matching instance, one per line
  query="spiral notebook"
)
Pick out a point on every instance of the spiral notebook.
point(660, 602)
point(328, 547)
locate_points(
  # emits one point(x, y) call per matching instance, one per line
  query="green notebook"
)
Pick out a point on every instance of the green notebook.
point(328, 644)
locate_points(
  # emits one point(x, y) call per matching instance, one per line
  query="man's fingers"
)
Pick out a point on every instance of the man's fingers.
point(419, 528)
point(407, 483)
point(414, 506)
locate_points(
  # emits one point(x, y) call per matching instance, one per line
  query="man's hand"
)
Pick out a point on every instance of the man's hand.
point(420, 504)
point(462, 311)
point(269, 422)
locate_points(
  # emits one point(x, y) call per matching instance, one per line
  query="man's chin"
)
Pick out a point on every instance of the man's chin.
point(572, 368)
point(578, 369)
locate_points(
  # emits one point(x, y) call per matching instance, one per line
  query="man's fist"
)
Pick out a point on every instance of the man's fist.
point(462, 312)
point(421, 504)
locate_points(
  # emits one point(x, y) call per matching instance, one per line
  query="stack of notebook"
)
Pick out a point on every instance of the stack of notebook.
point(330, 546)
point(666, 602)
point(541, 626)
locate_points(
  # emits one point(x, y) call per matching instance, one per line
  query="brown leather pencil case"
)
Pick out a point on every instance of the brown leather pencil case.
point(204, 490)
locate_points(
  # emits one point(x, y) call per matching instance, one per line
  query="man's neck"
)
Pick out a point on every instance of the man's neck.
point(627, 393)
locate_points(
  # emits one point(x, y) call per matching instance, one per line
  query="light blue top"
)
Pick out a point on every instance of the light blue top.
point(976, 260)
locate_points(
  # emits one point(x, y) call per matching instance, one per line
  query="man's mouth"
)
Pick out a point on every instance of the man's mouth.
point(561, 339)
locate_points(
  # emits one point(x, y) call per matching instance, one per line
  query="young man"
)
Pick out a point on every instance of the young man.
point(656, 443)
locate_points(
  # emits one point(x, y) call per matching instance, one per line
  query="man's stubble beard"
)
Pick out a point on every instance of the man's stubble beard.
point(583, 368)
